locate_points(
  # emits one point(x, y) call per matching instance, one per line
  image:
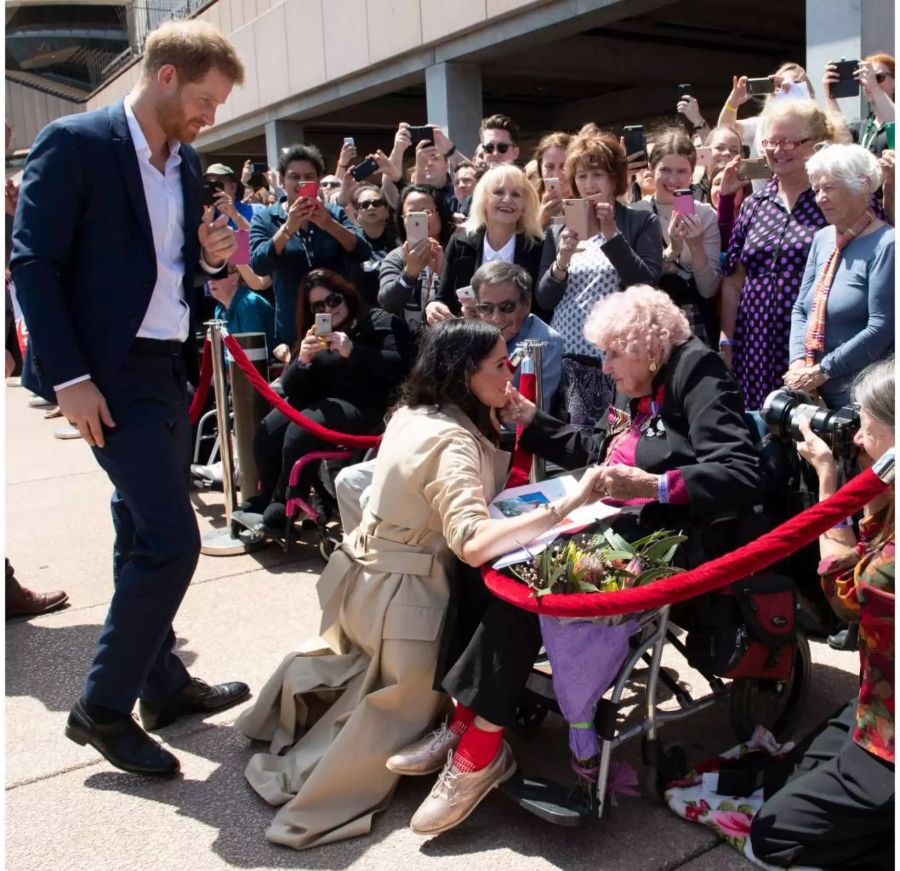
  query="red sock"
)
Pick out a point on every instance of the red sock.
point(462, 717)
point(477, 748)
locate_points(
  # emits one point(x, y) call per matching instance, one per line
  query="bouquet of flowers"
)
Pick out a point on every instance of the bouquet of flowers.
point(586, 654)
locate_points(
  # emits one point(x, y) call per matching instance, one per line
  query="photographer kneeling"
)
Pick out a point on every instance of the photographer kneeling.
point(836, 807)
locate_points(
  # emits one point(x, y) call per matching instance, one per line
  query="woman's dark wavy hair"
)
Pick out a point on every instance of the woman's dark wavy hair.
point(333, 282)
point(440, 202)
point(449, 354)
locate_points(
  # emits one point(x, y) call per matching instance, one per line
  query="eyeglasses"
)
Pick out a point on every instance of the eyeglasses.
point(499, 147)
point(508, 306)
point(370, 204)
point(783, 144)
point(880, 77)
point(332, 301)
point(329, 184)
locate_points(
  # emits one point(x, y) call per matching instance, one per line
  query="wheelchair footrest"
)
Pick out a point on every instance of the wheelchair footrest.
point(550, 801)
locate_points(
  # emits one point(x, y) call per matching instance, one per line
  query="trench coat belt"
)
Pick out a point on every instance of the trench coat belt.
point(373, 554)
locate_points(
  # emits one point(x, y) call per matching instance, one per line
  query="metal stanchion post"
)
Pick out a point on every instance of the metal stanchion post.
point(248, 407)
point(534, 357)
point(232, 539)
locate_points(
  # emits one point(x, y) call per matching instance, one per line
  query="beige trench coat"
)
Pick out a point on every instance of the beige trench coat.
point(341, 705)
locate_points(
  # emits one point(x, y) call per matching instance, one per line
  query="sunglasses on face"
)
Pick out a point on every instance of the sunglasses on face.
point(370, 204)
point(485, 309)
point(880, 77)
point(784, 144)
point(332, 301)
point(330, 184)
point(499, 147)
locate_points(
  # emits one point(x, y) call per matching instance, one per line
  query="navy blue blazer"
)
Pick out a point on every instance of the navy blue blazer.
point(83, 260)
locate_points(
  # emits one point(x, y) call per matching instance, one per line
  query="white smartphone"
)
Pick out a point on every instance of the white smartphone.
point(349, 140)
point(416, 227)
point(576, 215)
point(704, 155)
point(465, 294)
point(553, 187)
point(323, 324)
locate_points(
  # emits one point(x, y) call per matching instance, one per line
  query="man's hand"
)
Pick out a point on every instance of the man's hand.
point(347, 157)
point(83, 405)
point(12, 196)
point(216, 238)
point(246, 171)
point(435, 312)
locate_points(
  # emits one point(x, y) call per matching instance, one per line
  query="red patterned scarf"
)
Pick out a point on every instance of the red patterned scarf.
point(815, 331)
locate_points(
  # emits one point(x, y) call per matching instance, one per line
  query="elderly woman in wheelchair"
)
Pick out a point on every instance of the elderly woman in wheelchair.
point(675, 451)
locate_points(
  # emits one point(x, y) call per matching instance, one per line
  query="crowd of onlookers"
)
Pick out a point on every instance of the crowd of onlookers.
point(736, 218)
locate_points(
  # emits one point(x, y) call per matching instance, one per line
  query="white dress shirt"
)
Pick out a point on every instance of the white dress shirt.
point(507, 253)
point(168, 315)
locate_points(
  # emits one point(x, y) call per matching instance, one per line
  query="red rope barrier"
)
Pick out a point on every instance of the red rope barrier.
point(766, 550)
point(520, 470)
point(261, 387)
point(203, 383)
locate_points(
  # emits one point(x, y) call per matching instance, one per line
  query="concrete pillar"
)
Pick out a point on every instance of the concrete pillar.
point(279, 135)
point(850, 29)
point(453, 95)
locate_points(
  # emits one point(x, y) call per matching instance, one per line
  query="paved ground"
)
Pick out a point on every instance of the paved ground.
point(66, 808)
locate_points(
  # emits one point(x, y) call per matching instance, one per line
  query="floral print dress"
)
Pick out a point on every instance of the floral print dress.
point(772, 245)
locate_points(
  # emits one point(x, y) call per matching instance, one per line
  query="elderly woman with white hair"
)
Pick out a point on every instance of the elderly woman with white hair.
point(503, 224)
point(844, 315)
point(676, 441)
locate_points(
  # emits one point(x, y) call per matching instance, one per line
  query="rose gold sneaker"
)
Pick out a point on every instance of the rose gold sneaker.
point(426, 755)
point(456, 793)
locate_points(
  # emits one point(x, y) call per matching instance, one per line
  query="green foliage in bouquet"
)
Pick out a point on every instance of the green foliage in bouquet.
point(600, 563)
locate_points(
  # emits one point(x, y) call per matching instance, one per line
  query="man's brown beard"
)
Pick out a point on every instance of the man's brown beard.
point(171, 117)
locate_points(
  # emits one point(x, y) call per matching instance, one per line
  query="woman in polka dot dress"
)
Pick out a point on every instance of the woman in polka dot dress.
point(621, 247)
point(767, 253)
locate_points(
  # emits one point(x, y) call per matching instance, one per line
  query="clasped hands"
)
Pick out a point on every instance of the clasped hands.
point(615, 480)
point(313, 344)
point(803, 377)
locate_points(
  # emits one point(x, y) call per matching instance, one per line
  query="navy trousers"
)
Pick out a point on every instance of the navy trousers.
point(147, 457)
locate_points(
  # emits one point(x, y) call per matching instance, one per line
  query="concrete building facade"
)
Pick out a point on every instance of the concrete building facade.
point(319, 70)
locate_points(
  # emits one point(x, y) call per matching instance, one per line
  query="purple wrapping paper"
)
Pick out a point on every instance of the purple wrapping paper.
point(585, 656)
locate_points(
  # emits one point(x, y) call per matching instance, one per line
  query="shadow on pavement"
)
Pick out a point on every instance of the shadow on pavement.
point(225, 802)
point(50, 663)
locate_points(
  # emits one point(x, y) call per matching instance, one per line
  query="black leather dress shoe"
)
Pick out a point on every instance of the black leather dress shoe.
point(122, 743)
point(197, 697)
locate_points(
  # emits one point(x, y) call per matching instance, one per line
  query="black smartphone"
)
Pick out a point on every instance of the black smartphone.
point(259, 167)
point(745, 151)
point(364, 169)
point(210, 189)
point(635, 145)
point(848, 85)
point(420, 134)
point(685, 90)
point(759, 87)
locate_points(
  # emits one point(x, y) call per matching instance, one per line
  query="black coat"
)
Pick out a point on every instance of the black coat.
point(382, 354)
point(462, 257)
point(706, 437)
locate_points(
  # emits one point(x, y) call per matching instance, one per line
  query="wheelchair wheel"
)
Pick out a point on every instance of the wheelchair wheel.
point(328, 543)
point(775, 704)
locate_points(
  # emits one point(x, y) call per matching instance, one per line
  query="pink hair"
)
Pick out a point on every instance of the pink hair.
point(639, 321)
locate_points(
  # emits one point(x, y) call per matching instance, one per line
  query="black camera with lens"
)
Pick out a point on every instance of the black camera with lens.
point(784, 408)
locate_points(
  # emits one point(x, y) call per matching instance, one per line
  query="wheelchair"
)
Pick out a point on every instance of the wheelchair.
point(770, 692)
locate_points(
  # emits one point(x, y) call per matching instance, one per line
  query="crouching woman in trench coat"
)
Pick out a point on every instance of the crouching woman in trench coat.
point(338, 707)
